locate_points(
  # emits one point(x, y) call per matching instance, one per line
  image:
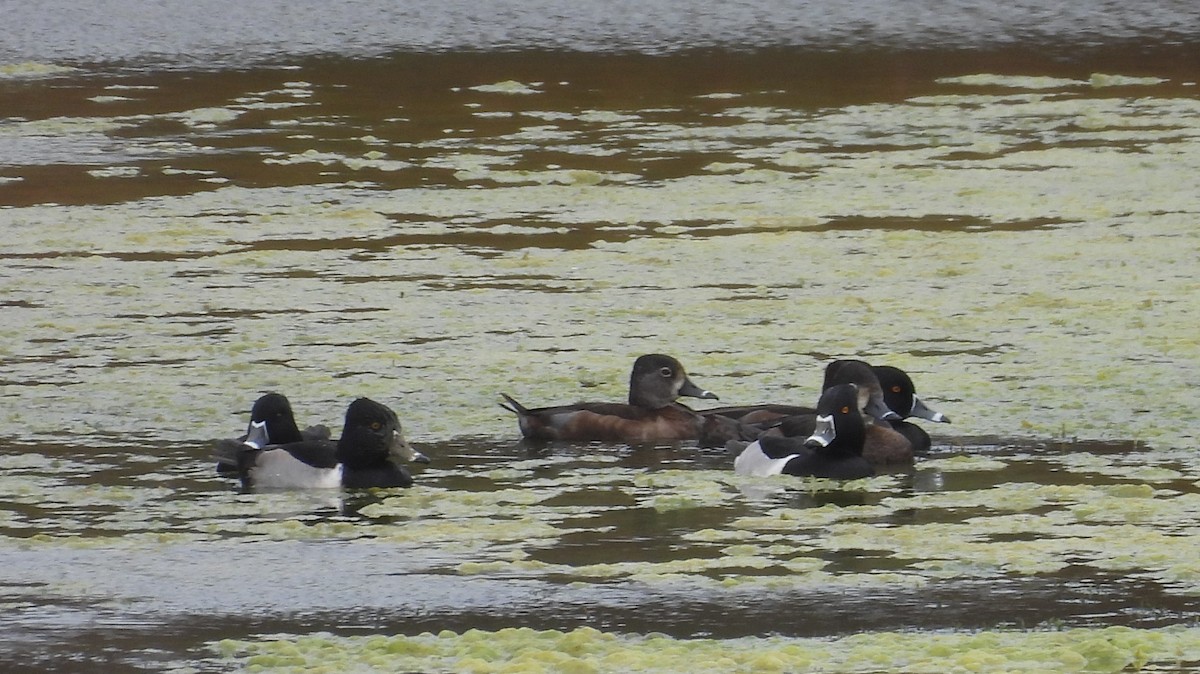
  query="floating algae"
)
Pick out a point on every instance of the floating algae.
point(585, 650)
point(1025, 254)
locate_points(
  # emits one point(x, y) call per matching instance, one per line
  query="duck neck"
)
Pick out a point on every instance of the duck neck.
point(851, 434)
point(356, 449)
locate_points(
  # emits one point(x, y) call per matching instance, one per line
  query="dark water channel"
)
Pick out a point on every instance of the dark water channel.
point(431, 204)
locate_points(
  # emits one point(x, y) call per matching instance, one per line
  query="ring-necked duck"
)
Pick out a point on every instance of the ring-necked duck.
point(752, 420)
point(833, 450)
point(889, 439)
point(901, 397)
point(764, 415)
point(882, 444)
point(364, 456)
point(651, 414)
point(273, 413)
point(860, 372)
point(742, 422)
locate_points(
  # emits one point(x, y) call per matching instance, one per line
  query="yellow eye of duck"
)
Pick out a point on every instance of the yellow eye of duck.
point(896, 389)
point(845, 410)
point(375, 425)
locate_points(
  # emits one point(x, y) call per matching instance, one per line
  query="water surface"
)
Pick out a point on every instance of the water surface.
point(429, 206)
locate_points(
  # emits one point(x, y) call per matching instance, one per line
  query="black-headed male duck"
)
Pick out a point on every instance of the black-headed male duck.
point(900, 395)
point(366, 455)
point(882, 445)
point(837, 372)
point(833, 450)
point(272, 413)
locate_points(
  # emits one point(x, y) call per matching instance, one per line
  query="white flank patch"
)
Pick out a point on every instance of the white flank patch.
point(277, 469)
point(752, 461)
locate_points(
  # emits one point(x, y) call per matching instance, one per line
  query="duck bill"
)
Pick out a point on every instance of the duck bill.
point(256, 436)
point(692, 391)
point(920, 411)
point(824, 432)
point(404, 451)
point(877, 408)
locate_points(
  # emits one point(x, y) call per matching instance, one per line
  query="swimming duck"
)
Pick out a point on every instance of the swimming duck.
point(882, 444)
point(836, 372)
point(833, 450)
point(860, 372)
point(365, 455)
point(651, 414)
point(723, 425)
point(900, 395)
point(273, 413)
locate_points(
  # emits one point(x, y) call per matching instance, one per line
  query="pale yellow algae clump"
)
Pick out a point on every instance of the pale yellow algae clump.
point(559, 177)
point(585, 649)
point(1013, 81)
point(1102, 80)
point(32, 70)
point(115, 172)
point(507, 87)
point(207, 116)
point(964, 463)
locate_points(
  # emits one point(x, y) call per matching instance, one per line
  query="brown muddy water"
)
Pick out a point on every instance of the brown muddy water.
point(431, 205)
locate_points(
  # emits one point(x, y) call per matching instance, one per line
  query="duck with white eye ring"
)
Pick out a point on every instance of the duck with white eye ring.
point(651, 415)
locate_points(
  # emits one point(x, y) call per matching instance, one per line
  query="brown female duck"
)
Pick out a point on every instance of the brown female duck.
point(652, 413)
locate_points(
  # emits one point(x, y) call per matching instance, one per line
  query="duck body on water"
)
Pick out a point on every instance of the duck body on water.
point(651, 415)
point(370, 453)
point(857, 425)
point(272, 422)
point(834, 449)
point(884, 397)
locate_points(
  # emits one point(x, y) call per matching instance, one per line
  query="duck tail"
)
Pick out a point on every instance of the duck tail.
point(233, 455)
point(514, 406)
point(228, 454)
